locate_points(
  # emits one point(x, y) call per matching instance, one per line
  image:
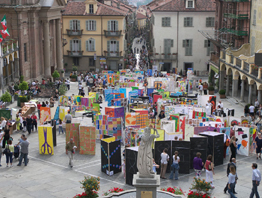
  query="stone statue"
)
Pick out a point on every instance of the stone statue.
point(145, 157)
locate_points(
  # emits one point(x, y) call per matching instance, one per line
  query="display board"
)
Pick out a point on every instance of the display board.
point(72, 131)
point(159, 147)
point(131, 164)
point(183, 148)
point(45, 115)
point(45, 136)
point(198, 144)
point(87, 137)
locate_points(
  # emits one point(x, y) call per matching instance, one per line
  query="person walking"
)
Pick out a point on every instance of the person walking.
point(70, 151)
point(232, 163)
point(232, 181)
point(258, 141)
point(68, 117)
point(29, 123)
point(34, 120)
point(38, 108)
point(164, 162)
point(256, 178)
point(175, 166)
point(24, 150)
point(60, 127)
point(9, 148)
point(233, 147)
point(252, 110)
point(198, 164)
point(209, 170)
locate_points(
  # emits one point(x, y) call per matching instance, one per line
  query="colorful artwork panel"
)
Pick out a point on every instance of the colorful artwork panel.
point(45, 136)
point(87, 137)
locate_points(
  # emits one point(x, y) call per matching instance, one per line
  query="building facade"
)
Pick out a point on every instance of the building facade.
point(177, 42)
point(36, 26)
point(96, 34)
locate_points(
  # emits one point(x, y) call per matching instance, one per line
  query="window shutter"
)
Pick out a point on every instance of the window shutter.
point(185, 20)
point(172, 42)
point(212, 22)
point(168, 22)
point(211, 47)
point(124, 24)
point(93, 45)
point(79, 45)
point(191, 21)
point(190, 47)
point(87, 25)
point(108, 46)
point(163, 22)
point(71, 44)
point(207, 19)
point(206, 43)
point(117, 46)
point(78, 25)
point(108, 25)
point(71, 24)
point(116, 25)
point(184, 43)
point(94, 25)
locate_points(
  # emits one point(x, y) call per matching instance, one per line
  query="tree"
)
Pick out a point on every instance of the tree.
point(6, 97)
point(56, 74)
point(23, 86)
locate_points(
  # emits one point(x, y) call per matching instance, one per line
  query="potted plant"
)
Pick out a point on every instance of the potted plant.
point(211, 90)
point(55, 75)
point(23, 99)
point(90, 185)
point(6, 97)
point(222, 93)
point(73, 78)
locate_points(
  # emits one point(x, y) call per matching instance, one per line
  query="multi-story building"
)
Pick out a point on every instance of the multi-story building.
point(176, 41)
point(240, 69)
point(141, 20)
point(34, 48)
point(95, 33)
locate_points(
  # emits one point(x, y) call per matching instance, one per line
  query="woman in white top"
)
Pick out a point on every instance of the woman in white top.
point(3, 123)
point(175, 166)
point(164, 162)
point(232, 181)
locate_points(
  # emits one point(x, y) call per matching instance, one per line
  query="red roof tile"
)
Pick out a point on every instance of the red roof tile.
point(104, 9)
point(140, 16)
point(75, 8)
point(180, 5)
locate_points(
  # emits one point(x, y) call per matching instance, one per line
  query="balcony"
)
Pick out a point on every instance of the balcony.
point(238, 63)
point(246, 67)
point(112, 33)
point(237, 32)
point(165, 56)
point(75, 53)
point(74, 32)
point(254, 71)
point(113, 54)
point(234, 16)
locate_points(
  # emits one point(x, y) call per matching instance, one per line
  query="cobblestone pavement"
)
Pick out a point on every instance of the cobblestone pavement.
point(50, 176)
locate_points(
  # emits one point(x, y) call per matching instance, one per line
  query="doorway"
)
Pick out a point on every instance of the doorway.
point(188, 65)
point(166, 67)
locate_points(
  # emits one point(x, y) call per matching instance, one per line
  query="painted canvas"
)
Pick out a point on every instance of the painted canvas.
point(131, 118)
point(101, 125)
point(212, 99)
point(72, 131)
point(177, 119)
point(63, 100)
point(115, 128)
point(84, 101)
point(243, 136)
point(45, 115)
point(87, 137)
point(45, 136)
point(189, 132)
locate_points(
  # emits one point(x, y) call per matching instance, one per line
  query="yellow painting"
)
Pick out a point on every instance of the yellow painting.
point(62, 112)
point(92, 94)
point(111, 139)
point(161, 133)
point(45, 115)
point(45, 136)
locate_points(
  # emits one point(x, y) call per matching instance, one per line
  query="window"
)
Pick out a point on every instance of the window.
point(92, 62)
point(91, 25)
point(113, 46)
point(188, 22)
point(168, 43)
point(91, 9)
point(166, 22)
point(75, 45)
point(25, 52)
point(74, 25)
point(187, 44)
point(189, 4)
point(210, 22)
point(112, 25)
point(209, 46)
point(90, 45)
point(254, 17)
point(76, 61)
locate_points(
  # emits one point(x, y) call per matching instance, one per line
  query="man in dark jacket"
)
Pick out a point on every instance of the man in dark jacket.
point(29, 123)
point(232, 163)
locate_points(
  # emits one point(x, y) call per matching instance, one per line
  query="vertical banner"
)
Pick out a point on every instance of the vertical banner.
point(45, 115)
point(87, 137)
point(45, 136)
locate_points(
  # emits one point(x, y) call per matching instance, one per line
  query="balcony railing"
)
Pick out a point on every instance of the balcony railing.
point(75, 53)
point(112, 33)
point(165, 56)
point(254, 71)
point(18, 2)
point(235, 16)
point(237, 32)
point(232, 59)
point(238, 62)
point(74, 32)
point(214, 59)
point(246, 66)
point(236, 0)
point(113, 54)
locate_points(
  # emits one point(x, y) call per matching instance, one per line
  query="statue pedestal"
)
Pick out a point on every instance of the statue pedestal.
point(146, 187)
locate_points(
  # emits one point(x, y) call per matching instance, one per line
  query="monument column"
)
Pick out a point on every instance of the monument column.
point(59, 45)
point(242, 91)
point(47, 68)
point(250, 94)
point(227, 86)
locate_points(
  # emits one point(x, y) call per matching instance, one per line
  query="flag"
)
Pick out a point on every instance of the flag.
point(1, 38)
point(3, 22)
point(4, 33)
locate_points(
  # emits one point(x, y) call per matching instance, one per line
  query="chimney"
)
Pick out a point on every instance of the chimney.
point(108, 2)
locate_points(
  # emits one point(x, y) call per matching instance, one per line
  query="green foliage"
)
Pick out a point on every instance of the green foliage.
point(23, 99)
point(16, 87)
point(62, 89)
point(74, 68)
point(91, 185)
point(211, 88)
point(21, 78)
point(62, 71)
point(222, 92)
point(201, 188)
point(6, 97)
point(23, 86)
point(56, 74)
point(73, 76)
